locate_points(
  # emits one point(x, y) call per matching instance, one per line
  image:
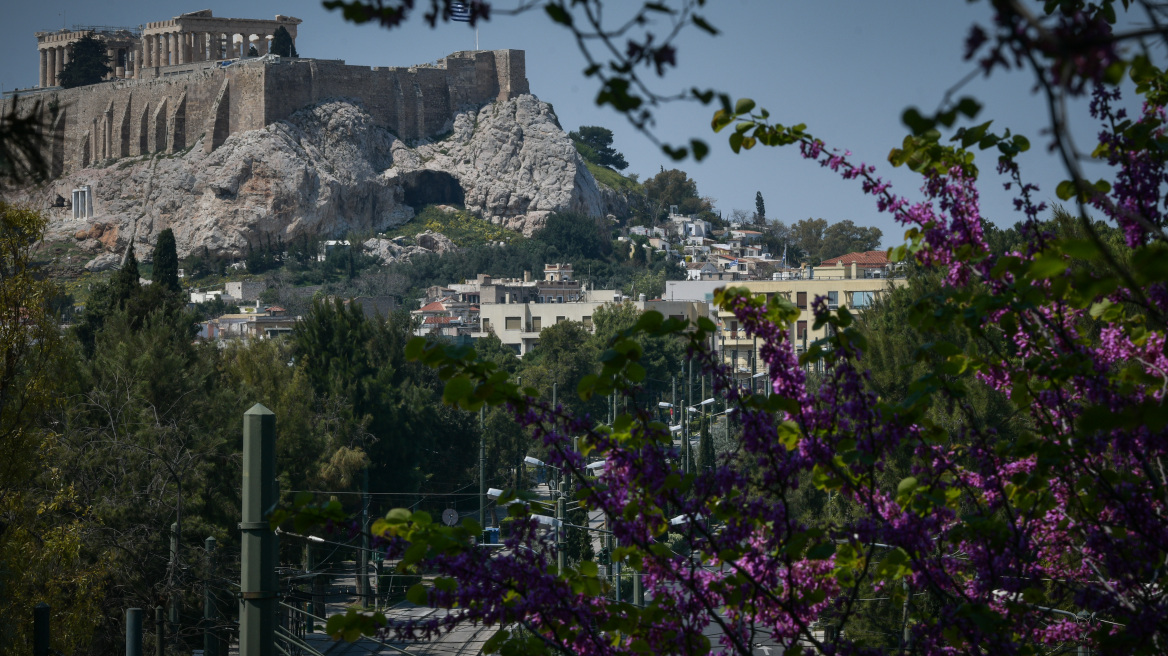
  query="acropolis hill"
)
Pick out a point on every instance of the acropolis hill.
point(181, 86)
point(188, 134)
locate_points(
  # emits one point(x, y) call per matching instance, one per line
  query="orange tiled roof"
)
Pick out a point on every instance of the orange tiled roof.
point(866, 258)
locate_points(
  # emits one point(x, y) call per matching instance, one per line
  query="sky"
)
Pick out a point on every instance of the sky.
point(846, 69)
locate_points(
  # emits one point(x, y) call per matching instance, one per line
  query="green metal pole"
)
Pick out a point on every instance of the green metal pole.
point(257, 606)
point(560, 533)
point(41, 614)
point(159, 631)
point(482, 470)
point(638, 595)
point(210, 635)
point(363, 557)
point(133, 632)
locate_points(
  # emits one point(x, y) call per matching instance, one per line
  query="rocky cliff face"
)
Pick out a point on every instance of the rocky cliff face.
point(329, 170)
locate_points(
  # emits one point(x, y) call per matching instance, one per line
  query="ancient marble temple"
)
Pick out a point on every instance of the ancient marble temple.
point(153, 50)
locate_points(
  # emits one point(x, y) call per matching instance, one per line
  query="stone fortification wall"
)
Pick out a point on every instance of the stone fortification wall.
point(129, 118)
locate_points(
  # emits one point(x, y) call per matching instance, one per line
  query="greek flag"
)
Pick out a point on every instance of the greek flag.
point(459, 12)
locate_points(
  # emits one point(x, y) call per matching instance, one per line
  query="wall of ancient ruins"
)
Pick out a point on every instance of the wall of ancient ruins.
point(209, 101)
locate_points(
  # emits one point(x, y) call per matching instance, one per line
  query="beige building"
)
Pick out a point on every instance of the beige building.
point(855, 294)
point(518, 324)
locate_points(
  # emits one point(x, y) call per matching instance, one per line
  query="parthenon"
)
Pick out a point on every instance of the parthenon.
point(141, 52)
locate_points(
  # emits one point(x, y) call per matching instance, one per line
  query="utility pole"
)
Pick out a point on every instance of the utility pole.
point(133, 632)
point(175, 597)
point(363, 558)
point(258, 584)
point(210, 634)
point(159, 631)
point(688, 404)
point(482, 471)
point(560, 533)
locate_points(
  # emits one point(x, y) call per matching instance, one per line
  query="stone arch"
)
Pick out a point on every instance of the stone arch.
point(158, 128)
point(57, 146)
point(219, 121)
point(178, 126)
point(123, 147)
point(428, 187)
point(144, 130)
point(85, 139)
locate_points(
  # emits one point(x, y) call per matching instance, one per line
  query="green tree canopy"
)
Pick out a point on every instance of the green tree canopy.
point(595, 145)
point(574, 236)
point(89, 63)
point(282, 44)
point(759, 209)
point(818, 240)
point(675, 187)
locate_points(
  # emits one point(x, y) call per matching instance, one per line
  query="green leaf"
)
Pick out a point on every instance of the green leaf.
point(457, 389)
point(1065, 190)
point(821, 551)
point(702, 24)
point(700, 149)
point(418, 594)
point(559, 14)
point(415, 347)
point(743, 106)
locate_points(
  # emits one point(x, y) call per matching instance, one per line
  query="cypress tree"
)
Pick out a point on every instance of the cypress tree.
point(282, 44)
point(125, 282)
point(705, 448)
point(166, 261)
point(88, 63)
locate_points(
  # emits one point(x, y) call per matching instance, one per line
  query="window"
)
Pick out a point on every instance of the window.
point(801, 330)
point(587, 322)
point(486, 325)
point(734, 331)
point(862, 300)
point(512, 323)
point(801, 300)
point(536, 324)
point(559, 319)
point(833, 300)
point(560, 299)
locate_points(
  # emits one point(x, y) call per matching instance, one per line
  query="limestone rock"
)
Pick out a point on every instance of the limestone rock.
point(389, 251)
point(104, 262)
point(326, 171)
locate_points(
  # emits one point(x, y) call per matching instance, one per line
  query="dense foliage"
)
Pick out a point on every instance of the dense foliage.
point(594, 144)
point(1009, 499)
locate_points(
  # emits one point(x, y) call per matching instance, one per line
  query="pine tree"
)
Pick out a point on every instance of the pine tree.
point(282, 44)
point(759, 209)
point(252, 52)
point(166, 261)
point(88, 63)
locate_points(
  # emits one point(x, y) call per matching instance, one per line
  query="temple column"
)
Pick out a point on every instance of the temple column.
point(44, 68)
point(58, 64)
point(200, 41)
point(51, 69)
point(113, 63)
point(216, 46)
point(180, 47)
point(138, 62)
point(262, 45)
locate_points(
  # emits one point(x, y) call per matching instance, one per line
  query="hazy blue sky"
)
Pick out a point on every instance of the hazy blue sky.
point(846, 69)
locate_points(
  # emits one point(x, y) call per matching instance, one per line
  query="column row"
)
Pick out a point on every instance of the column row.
point(175, 48)
point(53, 60)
